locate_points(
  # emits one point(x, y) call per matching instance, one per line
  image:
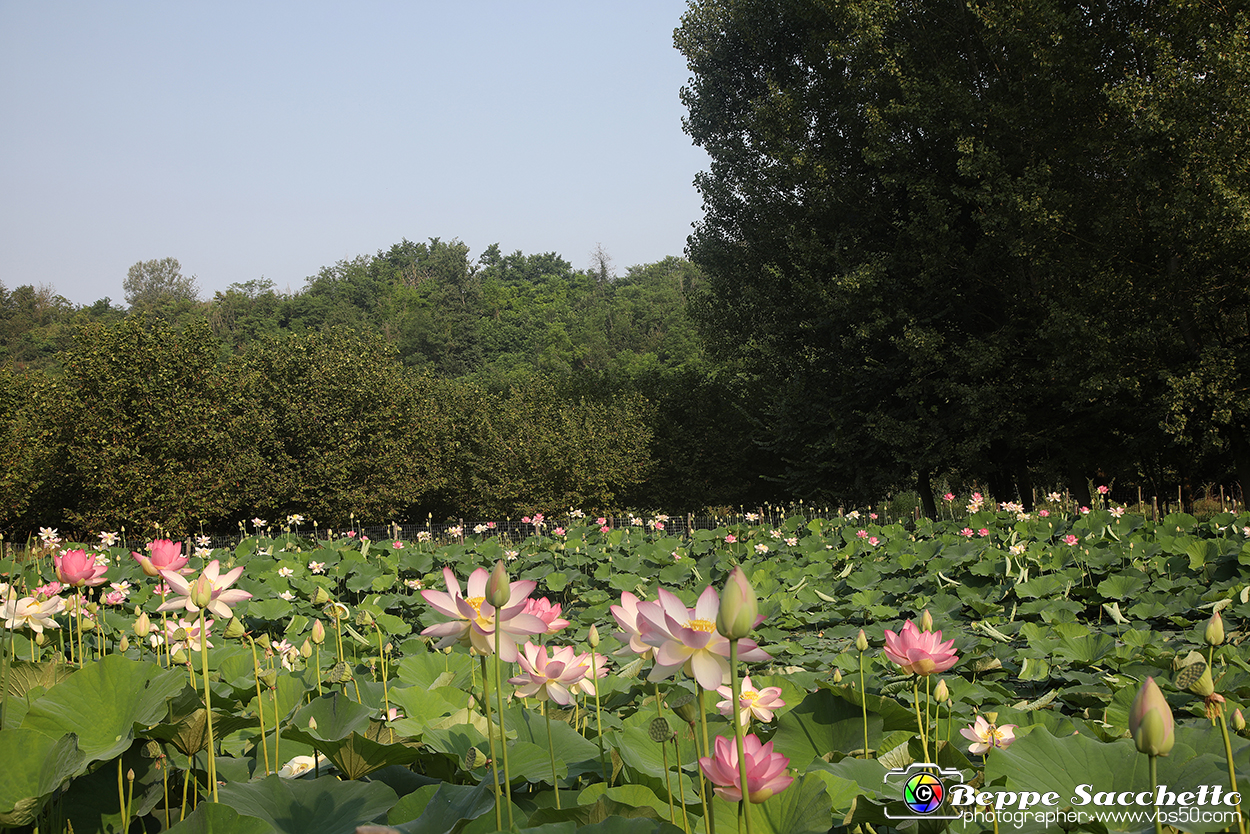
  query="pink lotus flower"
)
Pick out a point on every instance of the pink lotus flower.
point(626, 616)
point(1103, 489)
point(752, 703)
point(547, 611)
point(919, 652)
point(1043, 513)
point(966, 532)
point(210, 588)
point(49, 590)
point(766, 770)
point(79, 568)
point(730, 539)
point(475, 620)
point(983, 532)
point(686, 638)
point(548, 677)
point(600, 670)
point(191, 634)
point(1070, 540)
point(163, 555)
point(862, 534)
point(950, 496)
point(986, 736)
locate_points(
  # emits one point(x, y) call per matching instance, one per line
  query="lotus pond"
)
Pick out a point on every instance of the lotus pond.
point(301, 683)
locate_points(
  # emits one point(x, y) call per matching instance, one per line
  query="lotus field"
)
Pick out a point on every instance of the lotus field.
point(775, 674)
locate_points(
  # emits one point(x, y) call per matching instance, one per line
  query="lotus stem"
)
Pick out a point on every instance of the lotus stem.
point(494, 754)
point(924, 736)
point(208, 708)
point(594, 681)
point(668, 783)
point(863, 698)
point(736, 688)
point(260, 704)
point(1232, 774)
point(1154, 789)
point(551, 751)
point(708, 817)
point(681, 793)
point(503, 733)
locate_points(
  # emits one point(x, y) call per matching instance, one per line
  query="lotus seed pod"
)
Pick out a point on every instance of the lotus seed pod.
point(593, 637)
point(685, 708)
point(1214, 634)
point(142, 625)
point(318, 632)
point(942, 692)
point(179, 656)
point(321, 596)
point(926, 621)
point(235, 629)
point(991, 717)
point(472, 758)
point(1150, 721)
point(739, 607)
point(660, 731)
point(269, 677)
point(498, 586)
point(861, 641)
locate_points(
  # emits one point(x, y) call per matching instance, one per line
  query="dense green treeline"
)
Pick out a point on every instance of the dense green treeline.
point(392, 386)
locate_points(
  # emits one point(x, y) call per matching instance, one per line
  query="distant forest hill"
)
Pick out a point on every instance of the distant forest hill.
point(497, 385)
point(496, 319)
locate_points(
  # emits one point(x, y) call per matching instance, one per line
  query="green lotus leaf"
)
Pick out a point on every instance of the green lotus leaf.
point(452, 808)
point(218, 818)
point(24, 676)
point(802, 808)
point(35, 765)
point(831, 721)
point(103, 702)
point(429, 670)
point(335, 716)
point(299, 806)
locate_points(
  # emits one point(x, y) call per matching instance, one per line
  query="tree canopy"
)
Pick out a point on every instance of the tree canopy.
point(997, 236)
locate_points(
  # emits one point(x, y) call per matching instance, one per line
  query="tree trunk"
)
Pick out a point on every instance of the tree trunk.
point(924, 488)
point(1078, 485)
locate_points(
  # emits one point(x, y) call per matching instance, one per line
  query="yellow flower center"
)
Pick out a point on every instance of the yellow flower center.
point(750, 695)
point(485, 623)
point(476, 602)
point(702, 625)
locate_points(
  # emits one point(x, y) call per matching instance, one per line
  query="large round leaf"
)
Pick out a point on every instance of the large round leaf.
point(102, 703)
point(35, 765)
point(300, 806)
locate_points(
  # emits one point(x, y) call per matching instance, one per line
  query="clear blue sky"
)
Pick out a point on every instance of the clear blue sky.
point(252, 139)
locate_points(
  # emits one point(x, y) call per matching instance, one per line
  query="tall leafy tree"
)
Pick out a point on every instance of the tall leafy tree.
point(946, 230)
point(153, 282)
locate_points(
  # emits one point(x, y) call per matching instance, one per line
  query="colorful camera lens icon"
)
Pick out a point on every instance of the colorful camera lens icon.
point(923, 789)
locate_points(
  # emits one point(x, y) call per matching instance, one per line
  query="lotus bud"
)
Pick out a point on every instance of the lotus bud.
point(1239, 721)
point(318, 632)
point(739, 608)
point(837, 675)
point(306, 650)
point(942, 692)
point(235, 630)
point(321, 596)
point(1150, 721)
point(42, 639)
point(861, 641)
point(1214, 634)
point(122, 644)
point(593, 637)
point(142, 625)
point(202, 591)
point(926, 621)
point(498, 590)
point(312, 723)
